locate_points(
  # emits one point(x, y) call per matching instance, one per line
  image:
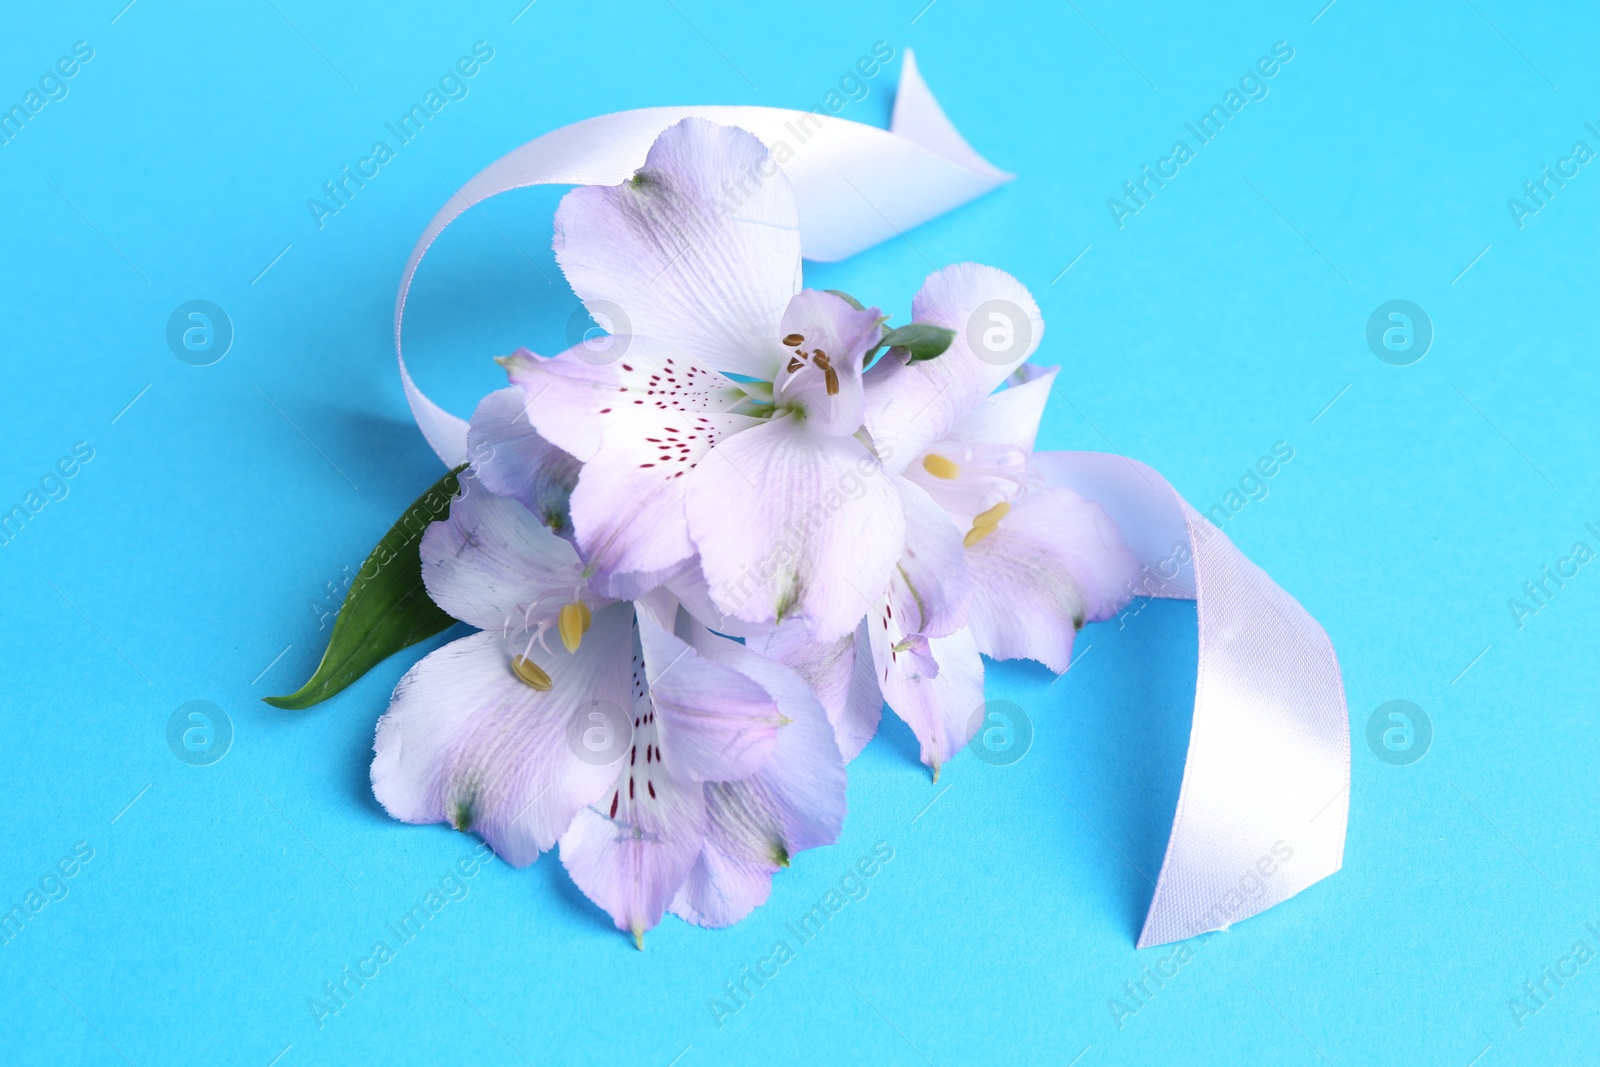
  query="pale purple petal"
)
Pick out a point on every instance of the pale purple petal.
point(821, 378)
point(983, 460)
point(491, 563)
point(929, 590)
point(1054, 562)
point(632, 851)
point(754, 826)
point(802, 786)
point(794, 523)
point(688, 584)
point(510, 459)
point(942, 710)
point(465, 742)
point(701, 248)
point(639, 425)
point(997, 325)
point(723, 886)
point(1011, 416)
point(715, 723)
point(574, 403)
point(840, 673)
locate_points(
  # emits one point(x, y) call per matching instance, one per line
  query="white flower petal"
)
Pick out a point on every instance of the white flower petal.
point(840, 673)
point(1054, 562)
point(510, 459)
point(930, 587)
point(466, 742)
point(983, 460)
point(701, 248)
point(715, 723)
point(632, 857)
point(790, 522)
point(1010, 416)
point(941, 710)
point(575, 404)
point(639, 425)
point(997, 325)
point(688, 584)
point(491, 563)
point(754, 826)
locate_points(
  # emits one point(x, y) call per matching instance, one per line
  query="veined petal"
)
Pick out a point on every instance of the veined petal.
point(628, 508)
point(795, 802)
point(575, 404)
point(790, 522)
point(821, 378)
point(840, 673)
point(491, 563)
point(510, 459)
point(639, 425)
point(983, 460)
point(715, 723)
point(630, 853)
point(724, 885)
point(700, 248)
point(688, 584)
point(1010, 416)
point(930, 586)
point(1054, 562)
point(941, 710)
point(632, 585)
point(801, 788)
point(466, 742)
point(997, 325)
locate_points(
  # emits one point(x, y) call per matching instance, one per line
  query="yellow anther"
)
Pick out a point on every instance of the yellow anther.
point(573, 624)
point(940, 467)
point(992, 517)
point(984, 523)
point(531, 674)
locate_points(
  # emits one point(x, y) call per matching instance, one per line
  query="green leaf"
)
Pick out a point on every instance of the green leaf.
point(387, 608)
point(847, 298)
point(922, 340)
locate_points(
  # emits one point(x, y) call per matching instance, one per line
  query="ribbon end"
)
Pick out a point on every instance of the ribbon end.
point(918, 117)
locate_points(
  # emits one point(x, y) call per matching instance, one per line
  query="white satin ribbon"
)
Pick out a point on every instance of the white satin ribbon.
point(1266, 786)
point(1269, 751)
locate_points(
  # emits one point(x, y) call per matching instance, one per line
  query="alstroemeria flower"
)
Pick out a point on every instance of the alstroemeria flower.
point(995, 564)
point(700, 253)
point(675, 768)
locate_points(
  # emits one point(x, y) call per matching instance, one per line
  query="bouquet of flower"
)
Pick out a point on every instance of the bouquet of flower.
point(703, 550)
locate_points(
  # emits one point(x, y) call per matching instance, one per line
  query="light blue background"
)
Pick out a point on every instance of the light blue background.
point(1225, 317)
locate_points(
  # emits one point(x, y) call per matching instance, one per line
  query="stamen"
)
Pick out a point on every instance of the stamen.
point(976, 534)
point(984, 524)
point(793, 340)
point(530, 674)
point(831, 377)
point(940, 467)
point(794, 364)
point(573, 623)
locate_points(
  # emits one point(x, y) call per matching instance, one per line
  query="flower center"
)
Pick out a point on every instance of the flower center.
point(816, 357)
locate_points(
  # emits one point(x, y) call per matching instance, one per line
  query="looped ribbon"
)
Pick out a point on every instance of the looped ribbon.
point(1264, 801)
